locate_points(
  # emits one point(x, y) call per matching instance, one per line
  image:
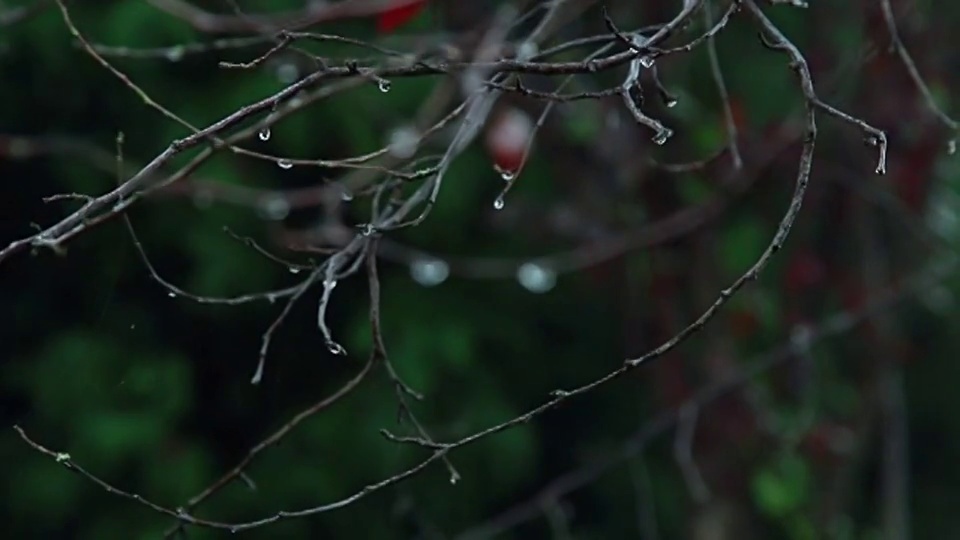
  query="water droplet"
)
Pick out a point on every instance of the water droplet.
point(294, 269)
point(951, 147)
point(536, 278)
point(404, 142)
point(671, 102)
point(505, 173)
point(881, 168)
point(346, 195)
point(172, 294)
point(275, 208)
point(330, 284)
point(499, 203)
point(454, 478)
point(646, 61)
point(526, 51)
point(367, 229)
point(287, 72)
point(383, 85)
point(264, 134)
point(429, 272)
point(175, 54)
point(336, 348)
point(284, 164)
point(660, 138)
point(258, 374)
point(272, 298)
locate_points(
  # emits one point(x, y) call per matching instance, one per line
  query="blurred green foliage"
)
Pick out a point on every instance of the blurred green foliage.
point(152, 393)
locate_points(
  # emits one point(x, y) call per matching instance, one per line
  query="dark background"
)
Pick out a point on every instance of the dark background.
point(835, 436)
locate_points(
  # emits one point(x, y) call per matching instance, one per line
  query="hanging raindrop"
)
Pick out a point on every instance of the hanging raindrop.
point(499, 203)
point(429, 272)
point(526, 51)
point(336, 348)
point(285, 164)
point(951, 147)
point(258, 374)
point(661, 137)
point(287, 72)
point(383, 85)
point(536, 278)
point(404, 142)
point(275, 208)
point(505, 173)
point(647, 61)
point(264, 134)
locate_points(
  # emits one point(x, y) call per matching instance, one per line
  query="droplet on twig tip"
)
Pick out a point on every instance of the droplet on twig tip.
point(336, 348)
point(505, 173)
point(258, 374)
point(661, 137)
